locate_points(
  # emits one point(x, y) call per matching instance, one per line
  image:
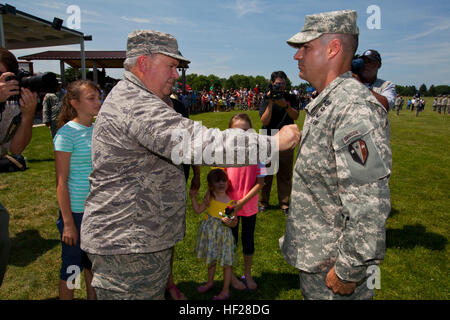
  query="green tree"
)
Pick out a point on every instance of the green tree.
point(70, 75)
point(423, 90)
point(432, 91)
point(201, 82)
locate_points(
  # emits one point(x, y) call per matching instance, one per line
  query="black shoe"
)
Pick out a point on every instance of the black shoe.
point(285, 210)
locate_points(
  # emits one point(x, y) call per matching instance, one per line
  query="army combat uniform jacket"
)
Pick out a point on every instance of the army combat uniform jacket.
point(340, 197)
point(137, 200)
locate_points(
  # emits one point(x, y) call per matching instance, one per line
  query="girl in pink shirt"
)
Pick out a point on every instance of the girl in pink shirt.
point(245, 184)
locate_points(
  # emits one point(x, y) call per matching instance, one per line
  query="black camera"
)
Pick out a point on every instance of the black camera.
point(276, 92)
point(357, 64)
point(43, 83)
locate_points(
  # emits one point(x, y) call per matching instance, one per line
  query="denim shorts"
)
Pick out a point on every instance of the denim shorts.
point(73, 258)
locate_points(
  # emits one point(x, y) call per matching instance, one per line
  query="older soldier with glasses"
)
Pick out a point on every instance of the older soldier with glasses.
point(340, 200)
point(135, 211)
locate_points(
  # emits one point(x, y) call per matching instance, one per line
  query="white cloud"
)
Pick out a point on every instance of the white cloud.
point(53, 4)
point(135, 19)
point(154, 20)
point(244, 7)
point(445, 25)
point(91, 13)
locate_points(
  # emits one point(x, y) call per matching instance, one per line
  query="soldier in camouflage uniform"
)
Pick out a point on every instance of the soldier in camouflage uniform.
point(439, 103)
point(51, 107)
point(135, 211)
point(444, 104)
point(434, 104)
point(398, 104)
point(340, 199)
point(448, 104)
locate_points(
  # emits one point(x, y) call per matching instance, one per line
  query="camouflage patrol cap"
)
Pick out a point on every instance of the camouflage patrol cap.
point(146, 42)
point(325, 22)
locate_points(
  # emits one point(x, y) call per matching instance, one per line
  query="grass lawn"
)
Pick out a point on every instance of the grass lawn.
point(416, 265)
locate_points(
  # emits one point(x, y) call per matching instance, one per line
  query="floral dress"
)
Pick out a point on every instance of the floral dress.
point(215, 242)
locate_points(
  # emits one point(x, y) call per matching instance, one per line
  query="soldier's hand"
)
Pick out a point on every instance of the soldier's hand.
point(288, 137)
point(8, 88)
point(338, 286)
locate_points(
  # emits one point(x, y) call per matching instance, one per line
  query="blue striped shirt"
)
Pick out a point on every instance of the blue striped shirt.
point(76, 139)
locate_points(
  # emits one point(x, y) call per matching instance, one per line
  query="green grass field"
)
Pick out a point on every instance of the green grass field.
point(416, 265)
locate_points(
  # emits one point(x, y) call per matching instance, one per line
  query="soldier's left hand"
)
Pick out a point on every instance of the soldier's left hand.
point(338, 286)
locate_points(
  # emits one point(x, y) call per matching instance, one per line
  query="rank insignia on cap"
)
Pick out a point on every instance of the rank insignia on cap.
point(359, 151)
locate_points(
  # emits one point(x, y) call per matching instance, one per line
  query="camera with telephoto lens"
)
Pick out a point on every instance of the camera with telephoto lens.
point(43, 83)
point(275, 92)
point(357, 64)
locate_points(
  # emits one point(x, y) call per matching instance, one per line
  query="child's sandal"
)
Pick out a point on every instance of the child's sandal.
point(205, 287)
point(222, 296)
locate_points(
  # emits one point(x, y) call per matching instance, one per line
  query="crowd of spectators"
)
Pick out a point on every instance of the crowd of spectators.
point(218, 100)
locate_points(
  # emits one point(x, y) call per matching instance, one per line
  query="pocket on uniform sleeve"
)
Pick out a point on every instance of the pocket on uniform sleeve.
point(360, 158)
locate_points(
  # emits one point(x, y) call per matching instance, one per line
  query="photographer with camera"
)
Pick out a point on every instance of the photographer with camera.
point(16, 122)
point(365, 69)
point(278, 108)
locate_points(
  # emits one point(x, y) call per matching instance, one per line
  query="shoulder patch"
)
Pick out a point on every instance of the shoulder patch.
point(359, 151)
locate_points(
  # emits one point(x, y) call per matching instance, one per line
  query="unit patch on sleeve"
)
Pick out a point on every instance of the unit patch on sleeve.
point(359, 152)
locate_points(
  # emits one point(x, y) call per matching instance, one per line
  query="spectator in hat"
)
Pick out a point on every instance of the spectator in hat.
point(135, 211)
point(383, 90)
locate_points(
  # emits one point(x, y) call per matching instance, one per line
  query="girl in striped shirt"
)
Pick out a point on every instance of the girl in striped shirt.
point(73, 165)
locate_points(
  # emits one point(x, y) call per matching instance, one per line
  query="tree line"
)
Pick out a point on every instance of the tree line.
point(237, 81)
point(432, 91)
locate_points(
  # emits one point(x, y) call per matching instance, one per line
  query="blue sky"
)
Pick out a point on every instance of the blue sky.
point(249, 36)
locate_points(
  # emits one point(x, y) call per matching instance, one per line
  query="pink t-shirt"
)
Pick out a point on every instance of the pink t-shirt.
point(242, 180)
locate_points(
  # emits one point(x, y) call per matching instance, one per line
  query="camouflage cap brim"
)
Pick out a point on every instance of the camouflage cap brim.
point(183, 61)
point(303, 37)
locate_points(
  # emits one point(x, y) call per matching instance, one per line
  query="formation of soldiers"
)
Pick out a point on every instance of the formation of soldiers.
point(441, 104)
point(398, 104)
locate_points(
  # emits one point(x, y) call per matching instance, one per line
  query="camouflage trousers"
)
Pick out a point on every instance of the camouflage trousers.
point(131, 276)
point(313, 287)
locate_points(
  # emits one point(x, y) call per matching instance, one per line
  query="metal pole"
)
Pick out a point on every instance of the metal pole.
point(94, 69)
point(2, 33)
point(63, 72)
point(183, 77)
point(83, 60)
